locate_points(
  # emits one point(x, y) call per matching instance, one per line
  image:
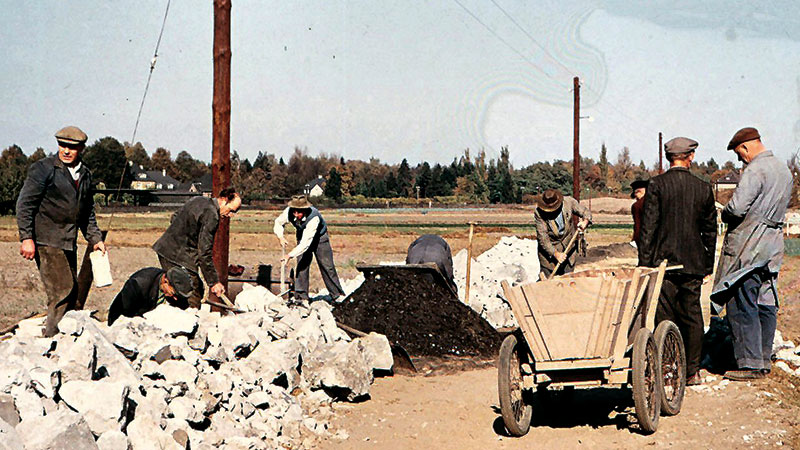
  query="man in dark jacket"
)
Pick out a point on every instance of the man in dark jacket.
point(189, 240)
point(432, 248)
point(638, 189)
point(150, 287)
point(680, 225)
point(555, 228)
point(311, 232)
point(55, 201)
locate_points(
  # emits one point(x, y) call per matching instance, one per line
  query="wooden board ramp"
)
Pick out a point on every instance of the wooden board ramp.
point(589, 314)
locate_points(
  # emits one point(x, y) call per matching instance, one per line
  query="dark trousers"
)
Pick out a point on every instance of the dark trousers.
point(679, 302)
point(321, 248)
point(58, 269)
point(752, 324)
point(198, 291)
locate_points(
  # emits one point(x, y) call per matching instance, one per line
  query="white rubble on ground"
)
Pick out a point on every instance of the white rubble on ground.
point(184, 378)
point(512, 259)
point(786, 354)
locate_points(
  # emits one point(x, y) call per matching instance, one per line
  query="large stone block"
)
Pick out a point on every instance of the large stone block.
point(8, 410)
point(9, 438)
point(145, 434)
point(341, 369)
point(61, 430)
point(172, 321)
point(113, 440)
point(377, 351)
point(104, 403)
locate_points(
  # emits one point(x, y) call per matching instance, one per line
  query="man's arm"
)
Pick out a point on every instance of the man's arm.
point(708, 230)
point(743, 197)
point(89, 226)
point(30, 197)
point(205, 246)
point(305, 241)
point(650, 220)
point(125, 302)
point(542, 236)
point(581, 211)
point(280, 222)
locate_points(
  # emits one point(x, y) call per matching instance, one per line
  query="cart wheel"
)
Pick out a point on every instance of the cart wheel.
point(516, 412)
point(646, 380)
point(673, 366)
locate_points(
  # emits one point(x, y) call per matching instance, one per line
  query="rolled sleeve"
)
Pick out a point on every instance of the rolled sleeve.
point(308, 236)
point(280, 223)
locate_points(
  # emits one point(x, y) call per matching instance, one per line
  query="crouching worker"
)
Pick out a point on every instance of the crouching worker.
point(554, 230)
point(150, 287)
point(312, 240)
point(430, 248)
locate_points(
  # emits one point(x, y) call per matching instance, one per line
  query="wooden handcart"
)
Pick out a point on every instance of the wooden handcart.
point(591, 329)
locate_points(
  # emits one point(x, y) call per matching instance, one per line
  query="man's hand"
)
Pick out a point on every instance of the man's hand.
point(218, 290)
point(286, 259)
point(707, 278)
point(27, 249)
point(583, 224)
point(284, 242)
point(100, 246)
point(560, 257)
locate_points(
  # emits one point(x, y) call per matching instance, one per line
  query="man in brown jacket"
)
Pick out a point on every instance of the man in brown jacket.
point(555, 228)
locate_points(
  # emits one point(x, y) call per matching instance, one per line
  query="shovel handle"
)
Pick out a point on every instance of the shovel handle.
point(566, 252)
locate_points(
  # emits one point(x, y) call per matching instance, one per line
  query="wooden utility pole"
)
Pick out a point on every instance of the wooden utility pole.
point(660, 154)
point(221, 129)
point(576, 153)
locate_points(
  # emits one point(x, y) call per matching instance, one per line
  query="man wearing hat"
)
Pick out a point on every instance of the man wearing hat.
point(312, 240)
point(189, 240)
point(555, 228)
point(679, 224)
point(150, 287)
point(752, 254)
point(638, 189)
point(55, 201)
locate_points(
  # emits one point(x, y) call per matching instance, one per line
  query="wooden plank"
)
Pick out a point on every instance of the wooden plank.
point(571, 364)
point(620, 339)
point(621, 363)
point(616, 319)
point(597, 325)
point(538, 318)
point(605, 318)
point(638, 314)
point(611, 318)
point(619, 376)
point(523, 315)
point(652, 303)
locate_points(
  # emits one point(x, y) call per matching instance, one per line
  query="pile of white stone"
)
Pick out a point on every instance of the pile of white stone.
point(512, 259)
point(786, 354)
point(179, 379)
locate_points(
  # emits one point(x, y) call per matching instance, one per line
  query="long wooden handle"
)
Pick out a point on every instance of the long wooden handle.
point(469, 261)
point(566, 252)
point(283, 267)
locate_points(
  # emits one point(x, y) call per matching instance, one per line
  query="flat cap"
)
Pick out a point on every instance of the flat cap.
point(71, 135)
point(180, 280)
point(742, 136)
point(680, 145)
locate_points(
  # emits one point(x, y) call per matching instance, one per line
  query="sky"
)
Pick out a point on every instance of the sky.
point(414, 79)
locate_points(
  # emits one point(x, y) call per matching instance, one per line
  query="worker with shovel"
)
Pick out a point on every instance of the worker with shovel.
point(312, 240)
point(189, 240)
point(558, 236)
point(149, 287)
point(55, 201)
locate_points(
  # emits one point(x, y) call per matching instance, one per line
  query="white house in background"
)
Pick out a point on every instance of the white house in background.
point(315, 187)
point(151, 179)
point(728, 181)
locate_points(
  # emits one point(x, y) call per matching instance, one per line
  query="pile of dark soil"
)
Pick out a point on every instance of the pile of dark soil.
point(419, 314)
point(621, 250)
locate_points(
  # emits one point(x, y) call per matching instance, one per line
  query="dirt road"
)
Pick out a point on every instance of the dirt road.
point(461, 411)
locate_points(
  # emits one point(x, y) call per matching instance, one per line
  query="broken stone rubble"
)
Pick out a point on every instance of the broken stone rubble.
point(178, 378)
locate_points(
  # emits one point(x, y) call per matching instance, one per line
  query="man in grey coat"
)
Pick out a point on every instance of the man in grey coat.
point(189, 240)
point(554, 230)
point(752, 254)
point(430, 248)
point(55, 201)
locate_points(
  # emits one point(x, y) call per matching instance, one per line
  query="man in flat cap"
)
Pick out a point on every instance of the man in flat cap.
point(189, 240)
point(55, 201)
point(149, 287)
point(638, 189)
point(431, 248)
point(679, 224)
point(555, 228)
point(311, 232)
point(752, 254)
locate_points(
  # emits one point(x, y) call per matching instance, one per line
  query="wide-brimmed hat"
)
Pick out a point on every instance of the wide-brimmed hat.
point(551, 200)
point(180, 280)
point(636, 184)
point(299, 201)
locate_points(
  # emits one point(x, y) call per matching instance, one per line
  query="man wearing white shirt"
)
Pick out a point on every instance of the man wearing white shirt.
point(312, 240)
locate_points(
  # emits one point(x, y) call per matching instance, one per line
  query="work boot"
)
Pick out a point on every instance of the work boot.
point(744, 374)
point(694, 380)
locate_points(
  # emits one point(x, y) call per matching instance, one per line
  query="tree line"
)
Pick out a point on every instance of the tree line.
point(471, 177)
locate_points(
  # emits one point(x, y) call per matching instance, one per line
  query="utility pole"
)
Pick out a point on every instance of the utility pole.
point(576, 153)
point(221, 129)
point(660, 154)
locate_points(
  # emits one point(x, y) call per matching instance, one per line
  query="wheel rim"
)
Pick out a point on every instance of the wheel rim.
point(671, 367)
point(651, 382)
point(515, 384)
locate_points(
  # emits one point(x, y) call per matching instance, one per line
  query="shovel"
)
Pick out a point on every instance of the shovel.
point(402, 360)
point(566, 252)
